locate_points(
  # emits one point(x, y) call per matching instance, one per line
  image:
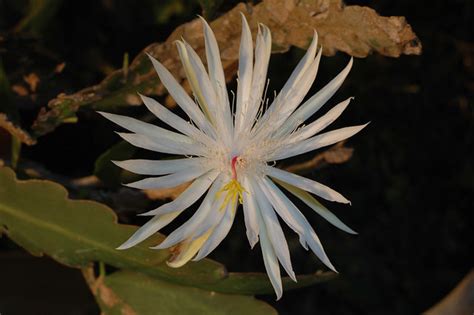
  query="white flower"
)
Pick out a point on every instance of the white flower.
point(229, 154)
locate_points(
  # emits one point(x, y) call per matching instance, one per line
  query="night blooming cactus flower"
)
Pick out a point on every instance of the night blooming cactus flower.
point(228, 152)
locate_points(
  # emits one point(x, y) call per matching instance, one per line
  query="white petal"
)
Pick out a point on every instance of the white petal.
point(218, 233)
point(216, 72)
point(316, 142)
point(244, 74)
point(193, 78)
point(162, 145)
point(158, 167)
point(301, 68)
point(182, 98)
point(321, 123)
point(150, 228)
point(306, 184)
point(294, 81)
point(209, 95)
point(263, 49)
point(293, 98)
point(274, 231)
point(289, 211)
point(146, 129)
point(171, 180)
point(316, 206)
point(174, 120)
point(187, 197)
point(187, 250)
point(250, 213)
point(285, 209)
point(270, 259)
point(213, 218)
point(186, 230)
point(312, 105)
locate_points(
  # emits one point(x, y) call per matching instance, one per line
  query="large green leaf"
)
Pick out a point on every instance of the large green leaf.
point(127, 292)
point(37, 215)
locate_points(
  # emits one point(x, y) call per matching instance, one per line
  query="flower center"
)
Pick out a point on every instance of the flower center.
point(233, 189)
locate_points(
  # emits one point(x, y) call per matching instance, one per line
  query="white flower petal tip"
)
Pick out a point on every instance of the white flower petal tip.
point(227, 152)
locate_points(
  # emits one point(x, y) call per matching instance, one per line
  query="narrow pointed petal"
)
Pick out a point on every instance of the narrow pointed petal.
point(174, 120)
point(315, 244)
point(316, 206)
point(274, 231)
point(294, 81)
point(186, 230)
point(146, 129)
point(186, 251)
point(285, 209)
point(270, 259)
point(216, 72)
point(193, 80)
point(147, 230)
point(209, 96)
point(312, 105)
point(218, 233)
point(263, 49)
point(316, 142)
point(162, 145)
point(169, 181)
point(306, 184)
point(291, 212)
point(214, 217)
point(321, 123)
point(182, 98)
point(158, 167)
point(188, 197)
point(244, 74)
point(286, 106)
point(250, 214)
point(302, 66)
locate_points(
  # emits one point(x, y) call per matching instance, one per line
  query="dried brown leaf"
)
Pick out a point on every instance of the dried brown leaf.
point(459, 301)
point(166, 193)
point(105, 296)
point(20, 90)
point(32, 80)
point(354, 30)
point(15, 130)
point(337, 154)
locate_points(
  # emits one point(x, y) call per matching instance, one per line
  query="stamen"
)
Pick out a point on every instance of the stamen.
point(234, 190)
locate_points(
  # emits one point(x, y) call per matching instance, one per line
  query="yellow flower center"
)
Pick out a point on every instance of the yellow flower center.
point(233, 189)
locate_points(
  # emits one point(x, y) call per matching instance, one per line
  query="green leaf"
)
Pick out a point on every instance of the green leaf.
point(104, 169)
point(38, 16)
point(38, 216)
point(126, 292)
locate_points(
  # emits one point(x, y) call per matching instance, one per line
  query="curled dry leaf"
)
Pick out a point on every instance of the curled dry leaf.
point(337, 154)
point(104, 295)
point(354, 30)
point(15, 130)
point(32, 80)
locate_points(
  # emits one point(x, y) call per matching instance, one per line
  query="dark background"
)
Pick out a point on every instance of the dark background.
point(410, 179)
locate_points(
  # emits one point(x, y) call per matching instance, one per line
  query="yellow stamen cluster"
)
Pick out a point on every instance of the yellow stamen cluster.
point(234, 192)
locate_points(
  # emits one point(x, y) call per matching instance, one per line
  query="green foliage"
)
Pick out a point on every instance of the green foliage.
point(140, 294)
point(109, 173)
point(38, 15)
point(37, 215)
